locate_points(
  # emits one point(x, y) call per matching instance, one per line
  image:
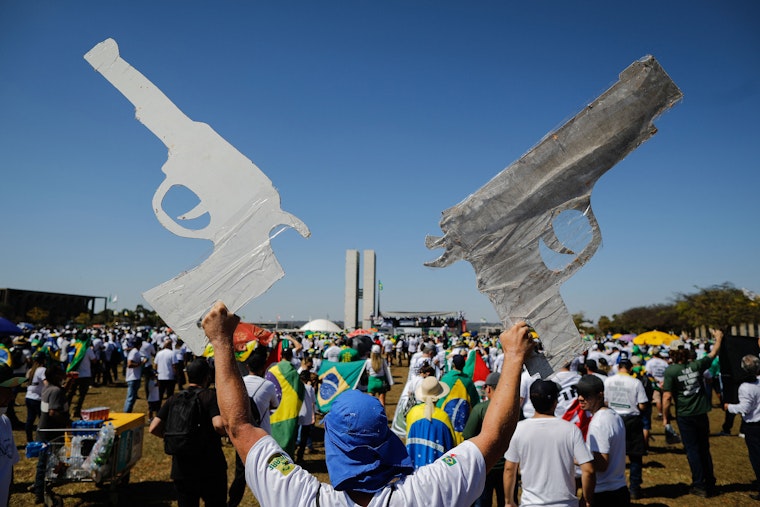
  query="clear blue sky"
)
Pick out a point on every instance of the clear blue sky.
point(371, 118)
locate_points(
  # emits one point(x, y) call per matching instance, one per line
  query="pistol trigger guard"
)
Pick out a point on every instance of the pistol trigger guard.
point(593, 245)
point(552, 241)
point(198, 211)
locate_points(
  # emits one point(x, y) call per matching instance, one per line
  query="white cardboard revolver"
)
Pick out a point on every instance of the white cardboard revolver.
point(242, 204)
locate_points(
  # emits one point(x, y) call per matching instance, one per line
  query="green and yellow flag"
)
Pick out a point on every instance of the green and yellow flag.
point(5, 355)
point(460, 400)
point(290, 390)
point(79, 346)
point(335, 378)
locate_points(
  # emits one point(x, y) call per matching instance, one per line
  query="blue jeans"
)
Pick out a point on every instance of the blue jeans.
point(695, 435)
point(133, 387)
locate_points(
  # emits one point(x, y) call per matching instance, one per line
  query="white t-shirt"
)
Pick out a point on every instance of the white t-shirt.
point(525, 382)
point(623, 393)
point(306, 415)
point(34, 390)
point(457, 478)
point(498, 362)
point(567, 381)
point(606, 435)
point(148, 351)
point(165, 361)
point(153, 392)
point(85, 367)
point(656, 367)
point(133, 373)
point(546, 449)
point(333, 353)
point(264, 395)
point(749, 402)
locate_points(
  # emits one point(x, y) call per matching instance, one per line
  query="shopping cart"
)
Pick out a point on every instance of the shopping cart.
point(103, 456)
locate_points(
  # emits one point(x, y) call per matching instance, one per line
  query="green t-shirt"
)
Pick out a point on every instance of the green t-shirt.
point(684, 381)
point(475, 424)
point(348, 354)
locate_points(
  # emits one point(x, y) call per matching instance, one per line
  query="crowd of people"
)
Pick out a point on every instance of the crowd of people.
point(576, 430)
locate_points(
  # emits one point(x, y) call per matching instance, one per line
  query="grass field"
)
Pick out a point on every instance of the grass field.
point(666, 472)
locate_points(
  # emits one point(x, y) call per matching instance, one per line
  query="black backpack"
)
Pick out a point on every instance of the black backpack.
point(183, 431)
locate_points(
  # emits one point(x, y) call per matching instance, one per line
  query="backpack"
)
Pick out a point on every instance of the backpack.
point(183, 431)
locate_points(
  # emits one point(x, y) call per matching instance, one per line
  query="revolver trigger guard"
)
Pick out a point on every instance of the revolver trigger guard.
point(168, 222)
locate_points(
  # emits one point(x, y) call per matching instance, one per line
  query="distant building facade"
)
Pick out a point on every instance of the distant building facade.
point(61, 308)
point(353, 293)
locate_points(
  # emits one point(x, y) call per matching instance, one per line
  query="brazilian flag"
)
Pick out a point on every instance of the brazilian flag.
point(460, 400)
point(5, 355)
point(80, 346)
point(290, 391)
point(335, 378)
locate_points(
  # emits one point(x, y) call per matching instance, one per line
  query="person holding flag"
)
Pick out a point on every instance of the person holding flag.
point(290, 391)
point(81, 360)
point(462, 396)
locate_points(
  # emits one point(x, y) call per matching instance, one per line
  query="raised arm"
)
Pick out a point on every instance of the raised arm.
point(234, 406)
point(504, 408)
point(718, 335)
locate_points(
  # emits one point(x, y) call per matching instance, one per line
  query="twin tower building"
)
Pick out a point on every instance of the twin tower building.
point(354, 293)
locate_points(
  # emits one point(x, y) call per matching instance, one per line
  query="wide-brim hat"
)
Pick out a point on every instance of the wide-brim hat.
point(7, 378)
point(431, 388)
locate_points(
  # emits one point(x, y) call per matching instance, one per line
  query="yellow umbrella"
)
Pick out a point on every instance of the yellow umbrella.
point(654, 338)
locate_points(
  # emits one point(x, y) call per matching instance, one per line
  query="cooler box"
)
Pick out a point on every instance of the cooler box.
point(129, 438)
point(126, 421)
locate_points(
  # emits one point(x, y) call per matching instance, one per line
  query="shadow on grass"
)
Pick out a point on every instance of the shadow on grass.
point(666, 490)
point(671, 449)
point(148, 493)
point(737, 487)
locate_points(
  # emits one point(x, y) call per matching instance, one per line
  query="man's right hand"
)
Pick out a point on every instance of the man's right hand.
point(516, 342)
point(219, 324)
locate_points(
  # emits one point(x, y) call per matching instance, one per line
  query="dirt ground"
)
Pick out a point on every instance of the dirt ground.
point(666, 472)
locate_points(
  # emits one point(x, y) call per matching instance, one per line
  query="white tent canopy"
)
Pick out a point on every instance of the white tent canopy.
point(321, 326)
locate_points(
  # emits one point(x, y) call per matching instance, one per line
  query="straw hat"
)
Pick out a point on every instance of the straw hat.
point(428, 392)
point(430, 389)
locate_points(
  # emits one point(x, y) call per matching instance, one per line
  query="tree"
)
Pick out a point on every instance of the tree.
point(37, 314)
point(637, 320)
point(104, 317)
point(83, 319)
point(718, 307)
point(605, 325)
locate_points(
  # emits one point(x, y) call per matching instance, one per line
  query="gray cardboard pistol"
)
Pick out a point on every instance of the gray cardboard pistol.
point(499, 228)
point(242, 204)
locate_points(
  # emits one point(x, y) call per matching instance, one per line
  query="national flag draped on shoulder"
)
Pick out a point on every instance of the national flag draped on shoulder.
point(335, 378)
point(463, 395)
point(290, 390)
point(77, 351)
